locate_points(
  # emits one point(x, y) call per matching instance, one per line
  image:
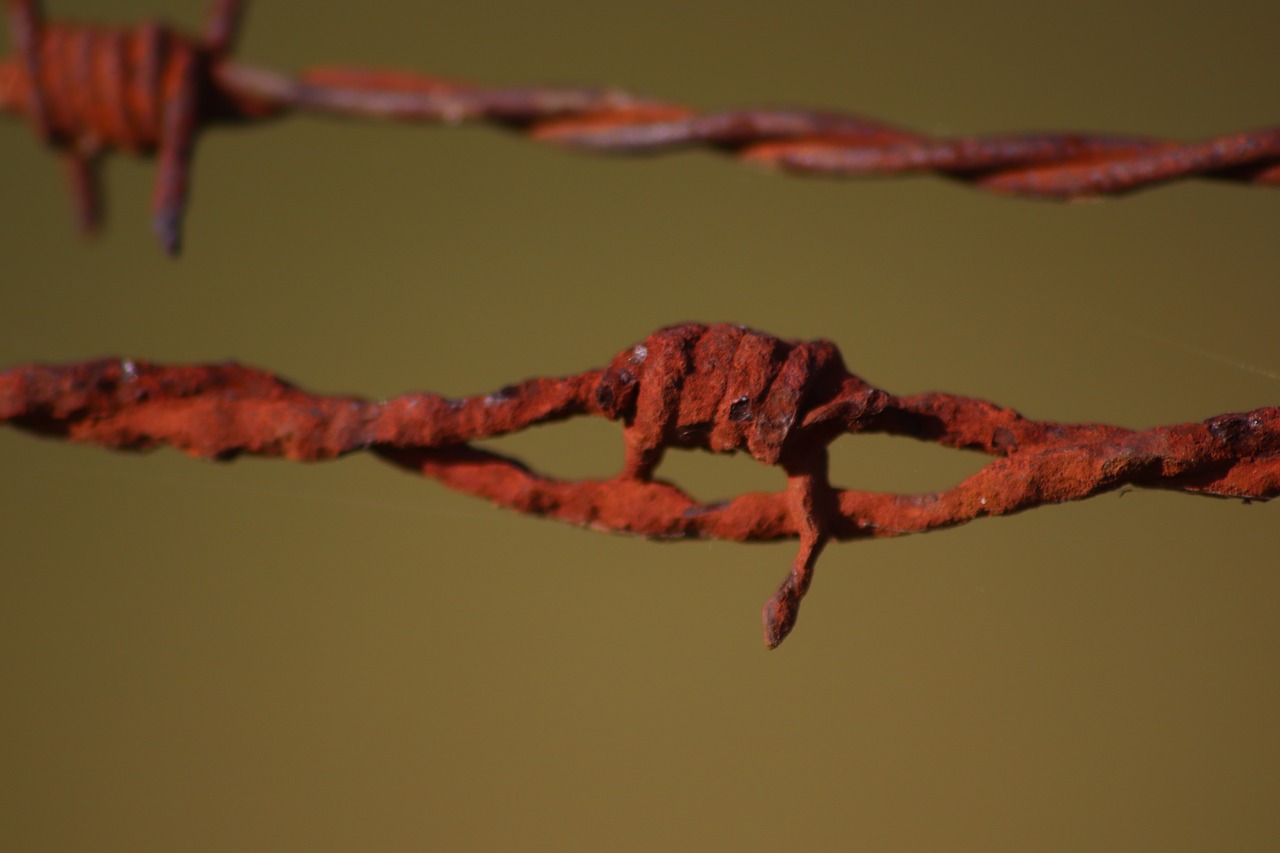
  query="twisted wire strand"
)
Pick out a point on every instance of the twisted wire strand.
point(719, 388)
point(149, 90)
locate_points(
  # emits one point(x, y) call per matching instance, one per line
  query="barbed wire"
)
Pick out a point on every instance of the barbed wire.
point(721, 388)
point(151, 90)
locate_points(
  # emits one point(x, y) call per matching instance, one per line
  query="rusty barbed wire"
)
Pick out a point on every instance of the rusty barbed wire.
point(720, 388)
point(150, 90)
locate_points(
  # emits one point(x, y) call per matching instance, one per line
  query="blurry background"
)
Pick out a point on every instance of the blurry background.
point(269, 656)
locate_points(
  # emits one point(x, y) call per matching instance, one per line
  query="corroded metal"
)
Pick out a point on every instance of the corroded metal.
point(720, 388)
point(143, 90)
point(150, 90)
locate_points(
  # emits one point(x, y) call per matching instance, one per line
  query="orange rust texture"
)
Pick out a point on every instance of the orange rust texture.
point(150, 90)
point(143, 90)
point(720, 388)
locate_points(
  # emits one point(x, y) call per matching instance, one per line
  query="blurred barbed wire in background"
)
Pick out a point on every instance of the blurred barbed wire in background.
point(150, 90)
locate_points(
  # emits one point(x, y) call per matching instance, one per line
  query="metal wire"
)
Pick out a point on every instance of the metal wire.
point(719, 388)
point(149, 90)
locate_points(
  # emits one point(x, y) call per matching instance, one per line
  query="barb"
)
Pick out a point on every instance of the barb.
point(149, 90)
point(719, 388)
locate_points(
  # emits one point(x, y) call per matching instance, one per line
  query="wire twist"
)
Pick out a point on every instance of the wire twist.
point(89, 89)
point(720, 388)
point(150, 90)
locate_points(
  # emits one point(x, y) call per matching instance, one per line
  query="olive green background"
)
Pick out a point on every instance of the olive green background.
point(270, 656)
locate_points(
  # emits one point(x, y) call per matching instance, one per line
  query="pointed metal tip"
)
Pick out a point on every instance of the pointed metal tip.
point(779, 618)
point(168, 230)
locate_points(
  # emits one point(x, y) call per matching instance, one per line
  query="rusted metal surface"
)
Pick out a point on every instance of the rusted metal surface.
point(144, 91)
point(149, 90)
point(720, 388)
